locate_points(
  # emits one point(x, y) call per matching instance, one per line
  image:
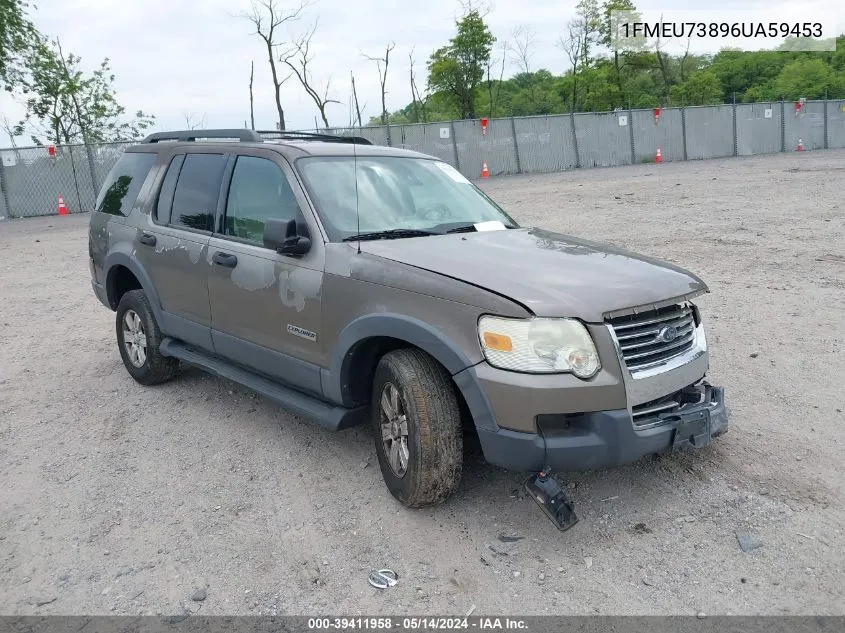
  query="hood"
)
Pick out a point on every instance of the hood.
point(549, 273)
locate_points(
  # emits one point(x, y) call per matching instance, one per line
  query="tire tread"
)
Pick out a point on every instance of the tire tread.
point(437, 415)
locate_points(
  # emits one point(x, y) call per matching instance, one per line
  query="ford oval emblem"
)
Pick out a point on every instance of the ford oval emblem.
point(667, 334)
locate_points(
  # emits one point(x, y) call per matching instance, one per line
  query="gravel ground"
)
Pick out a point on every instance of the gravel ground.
point(122, 499)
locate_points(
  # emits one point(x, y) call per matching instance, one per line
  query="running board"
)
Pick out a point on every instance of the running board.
point(326, 415)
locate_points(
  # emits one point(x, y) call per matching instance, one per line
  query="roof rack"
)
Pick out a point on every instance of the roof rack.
point(245, 136)
point(312, 136)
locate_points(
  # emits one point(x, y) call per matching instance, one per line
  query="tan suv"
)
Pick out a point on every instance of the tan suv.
point(354, 283)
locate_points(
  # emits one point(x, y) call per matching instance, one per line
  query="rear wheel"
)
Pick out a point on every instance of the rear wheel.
point(138, 338)
point(417, 427)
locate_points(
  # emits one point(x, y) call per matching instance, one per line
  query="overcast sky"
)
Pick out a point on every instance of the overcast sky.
point(178, 57)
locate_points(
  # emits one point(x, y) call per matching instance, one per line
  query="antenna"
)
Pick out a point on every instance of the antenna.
point(357, 208)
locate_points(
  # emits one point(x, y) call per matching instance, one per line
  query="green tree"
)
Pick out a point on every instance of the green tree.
point(16, 37)
point(458, 68)
point(621, 59)
point(600, 93)
point(810, 78)
point(701, 88)
point(535, 94)
point(738, 71)
point(837, 58)
point(804, 44)
point(67, 105)
point(589, 15)
point(600, 81)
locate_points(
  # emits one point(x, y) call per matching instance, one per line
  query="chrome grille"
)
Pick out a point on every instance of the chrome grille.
point(653, 337)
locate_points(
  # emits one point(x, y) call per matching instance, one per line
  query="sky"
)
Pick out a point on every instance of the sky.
point(191, 58)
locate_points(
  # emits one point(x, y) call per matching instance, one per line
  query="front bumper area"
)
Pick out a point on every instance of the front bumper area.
point(601, 439)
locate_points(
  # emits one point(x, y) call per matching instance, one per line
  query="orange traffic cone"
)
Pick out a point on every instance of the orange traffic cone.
point(800, 147)
point(659, 156)
point(485, 173)
point(62, 208)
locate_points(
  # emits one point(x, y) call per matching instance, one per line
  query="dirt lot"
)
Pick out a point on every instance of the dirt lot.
point(122, 499)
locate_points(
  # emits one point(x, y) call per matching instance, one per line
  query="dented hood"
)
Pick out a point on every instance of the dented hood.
point(549, 273)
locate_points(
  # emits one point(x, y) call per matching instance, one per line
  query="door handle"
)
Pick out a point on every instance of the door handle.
point(147, 239)
point(224, 259)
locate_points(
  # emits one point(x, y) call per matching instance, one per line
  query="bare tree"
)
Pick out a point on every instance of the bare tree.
point(663, 66)
point(382, 77)
point(493, 96)
point(355, 99)
point(251, 97)
point(572, 44)
point(268, 17)
point(11, 130)
point(482, 7)
point(297, 59)
point(191, 123)
point(418, 101)
point(524, 39)
point(684, 60)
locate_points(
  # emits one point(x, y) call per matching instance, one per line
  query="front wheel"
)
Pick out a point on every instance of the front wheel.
point(417, 426)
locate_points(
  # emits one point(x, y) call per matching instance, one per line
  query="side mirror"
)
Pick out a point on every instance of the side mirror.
point(288, 237)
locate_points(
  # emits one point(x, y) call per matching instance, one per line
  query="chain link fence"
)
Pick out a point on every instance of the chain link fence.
point(31, 179)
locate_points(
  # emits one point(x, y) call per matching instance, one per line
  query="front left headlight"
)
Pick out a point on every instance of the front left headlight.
point(539, 346)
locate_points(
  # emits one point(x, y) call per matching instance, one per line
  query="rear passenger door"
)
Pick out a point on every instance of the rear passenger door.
point(173, 243)
point(265, 306)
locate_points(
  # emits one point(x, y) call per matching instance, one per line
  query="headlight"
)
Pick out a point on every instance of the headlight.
point(539, 346)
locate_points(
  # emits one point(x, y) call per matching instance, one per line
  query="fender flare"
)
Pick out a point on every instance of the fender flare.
point(335, 381)
point(120, 258)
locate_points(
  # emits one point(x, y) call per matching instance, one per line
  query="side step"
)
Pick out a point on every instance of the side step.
point(328, 416)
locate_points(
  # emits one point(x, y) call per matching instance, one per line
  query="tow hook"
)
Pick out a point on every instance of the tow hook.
point(551, 497)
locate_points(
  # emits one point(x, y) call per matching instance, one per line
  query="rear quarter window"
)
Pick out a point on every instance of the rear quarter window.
point(197, 190)
point(122, 185)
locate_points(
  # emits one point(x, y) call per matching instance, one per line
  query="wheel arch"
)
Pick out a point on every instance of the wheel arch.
point(364, 341)
point(117, 265)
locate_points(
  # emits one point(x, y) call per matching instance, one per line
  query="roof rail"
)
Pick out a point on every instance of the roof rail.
point(244, 136)
point(313, 136)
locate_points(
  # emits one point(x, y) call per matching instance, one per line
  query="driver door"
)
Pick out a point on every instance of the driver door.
point(265, 306)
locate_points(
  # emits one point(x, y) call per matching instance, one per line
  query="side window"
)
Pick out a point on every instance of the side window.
point(168, 187)
point(122, 185)
point(197, 189)
point(259, 192)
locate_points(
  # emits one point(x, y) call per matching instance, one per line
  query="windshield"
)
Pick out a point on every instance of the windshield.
point(394, 192)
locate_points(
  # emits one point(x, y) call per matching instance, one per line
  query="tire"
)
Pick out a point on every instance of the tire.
point(152, 367)
point(432, 421)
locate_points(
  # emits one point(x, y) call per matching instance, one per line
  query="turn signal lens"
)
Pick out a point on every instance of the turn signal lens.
point(498, 342)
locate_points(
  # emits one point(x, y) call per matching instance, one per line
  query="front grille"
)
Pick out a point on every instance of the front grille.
point(646, 338)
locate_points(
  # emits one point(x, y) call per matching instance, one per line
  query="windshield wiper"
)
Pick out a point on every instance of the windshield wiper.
point(467, 228)
point(391, 234)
